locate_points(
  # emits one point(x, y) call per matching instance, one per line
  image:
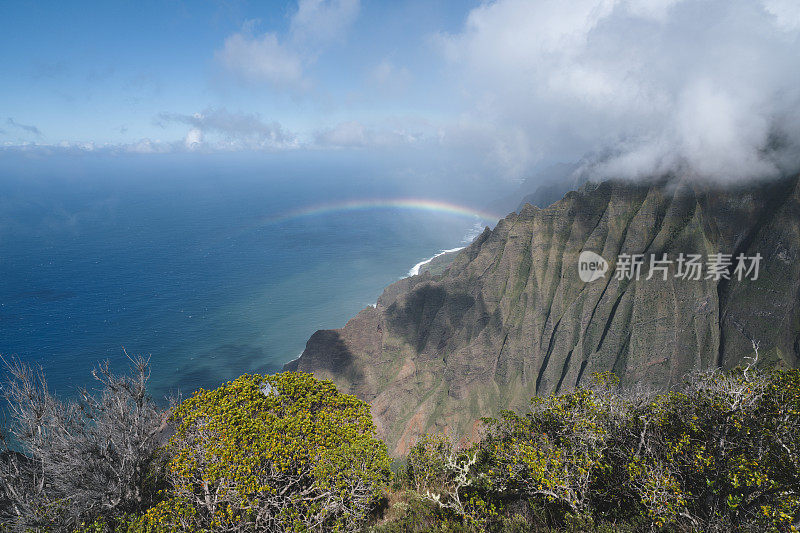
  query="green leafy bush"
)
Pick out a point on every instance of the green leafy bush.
point(723, 450)
point(720, 452)
point(272, 453)
point(556, 451)
point(426, 463)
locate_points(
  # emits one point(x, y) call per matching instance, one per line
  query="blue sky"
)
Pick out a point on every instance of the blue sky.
point(104, 71)
point(704, 86)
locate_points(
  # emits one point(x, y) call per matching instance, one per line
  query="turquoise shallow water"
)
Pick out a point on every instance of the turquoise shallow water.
point(182, 263)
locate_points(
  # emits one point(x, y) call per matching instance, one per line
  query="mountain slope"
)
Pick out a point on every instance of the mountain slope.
point(511, 318)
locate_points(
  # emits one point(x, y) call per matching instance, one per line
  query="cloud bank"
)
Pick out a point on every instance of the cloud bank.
point(702, 87)
point(356, 134)
point(232, 131)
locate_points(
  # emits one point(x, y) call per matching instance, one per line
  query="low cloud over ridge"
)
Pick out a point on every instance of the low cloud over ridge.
point(703, 87)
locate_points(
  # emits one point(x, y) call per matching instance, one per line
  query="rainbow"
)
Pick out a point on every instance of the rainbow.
point(413, 204)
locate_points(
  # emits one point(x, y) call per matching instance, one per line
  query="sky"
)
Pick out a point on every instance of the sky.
point(632, 88)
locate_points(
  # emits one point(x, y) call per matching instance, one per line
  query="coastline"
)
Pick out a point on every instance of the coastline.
point(416, 268)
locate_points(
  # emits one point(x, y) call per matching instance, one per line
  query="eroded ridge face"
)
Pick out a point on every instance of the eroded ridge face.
point(600, 280)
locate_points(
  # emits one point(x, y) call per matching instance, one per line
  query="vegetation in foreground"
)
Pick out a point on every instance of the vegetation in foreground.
point(720, 452)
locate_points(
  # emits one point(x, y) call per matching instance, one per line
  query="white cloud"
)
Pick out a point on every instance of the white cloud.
point(142, 146)
point(651, 9)
point(269, 59)
point(389, 78)
point(354, 134)
point(786, 13)
point(233, 131)
point(258, 60)
point(703, 86)
point(346, 134)
point(145, 146)
point(194, 139)
point(318, 23)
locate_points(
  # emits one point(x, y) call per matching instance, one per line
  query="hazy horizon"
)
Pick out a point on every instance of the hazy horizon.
point(468, 91)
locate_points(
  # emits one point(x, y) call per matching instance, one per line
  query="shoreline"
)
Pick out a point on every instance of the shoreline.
point(415, 269)
point(412, 272)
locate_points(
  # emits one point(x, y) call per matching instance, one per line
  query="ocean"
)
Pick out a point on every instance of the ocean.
point(211, 267)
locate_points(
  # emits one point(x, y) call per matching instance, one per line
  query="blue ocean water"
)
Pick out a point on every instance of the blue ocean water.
point(178, 259)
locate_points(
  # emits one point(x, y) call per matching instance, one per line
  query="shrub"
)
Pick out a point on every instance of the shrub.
point(426, 464)
point(720, 452)
point(83, 460)
point(276, 453)
point(556, 452)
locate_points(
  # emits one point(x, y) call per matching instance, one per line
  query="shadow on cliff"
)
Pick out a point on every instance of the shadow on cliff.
point(327, 352)
point(433, 314)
